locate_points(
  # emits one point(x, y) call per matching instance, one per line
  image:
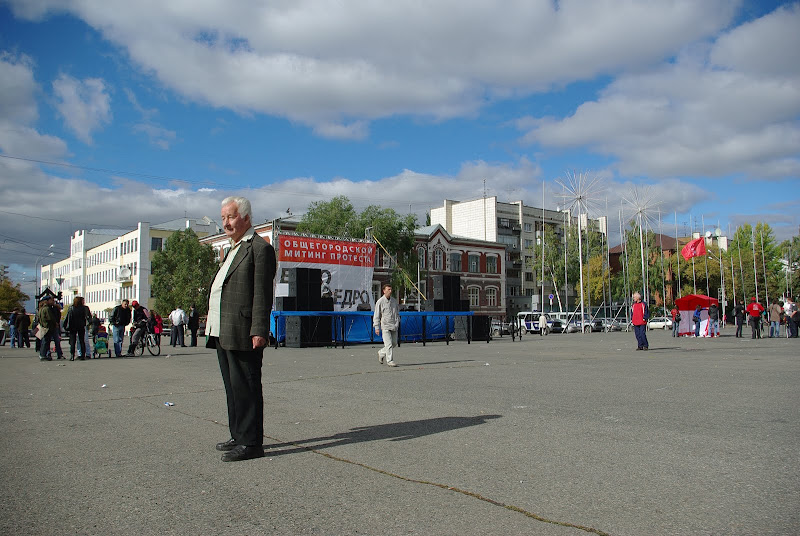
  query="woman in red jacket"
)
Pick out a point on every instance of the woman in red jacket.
point(639, 317)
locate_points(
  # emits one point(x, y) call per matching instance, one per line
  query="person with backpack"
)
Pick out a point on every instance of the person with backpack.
point(75, 323)
point(755, 310)
point(696, 318)
point(120, 318)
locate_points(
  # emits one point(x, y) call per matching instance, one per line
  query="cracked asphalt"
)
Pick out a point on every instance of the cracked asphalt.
point(561, 435)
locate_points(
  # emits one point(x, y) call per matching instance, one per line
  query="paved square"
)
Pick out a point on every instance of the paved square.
point(563, 435)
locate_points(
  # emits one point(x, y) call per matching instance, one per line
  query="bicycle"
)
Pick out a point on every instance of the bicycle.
point(148, 340)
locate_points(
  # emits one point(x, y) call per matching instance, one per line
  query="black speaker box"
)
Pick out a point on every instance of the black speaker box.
point(326, 304)
point(307, 331)
point(439, 305)
point(464, 306)
point(286, 303)
point(480, 327)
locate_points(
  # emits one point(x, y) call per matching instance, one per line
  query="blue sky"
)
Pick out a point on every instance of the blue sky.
point(115, 112)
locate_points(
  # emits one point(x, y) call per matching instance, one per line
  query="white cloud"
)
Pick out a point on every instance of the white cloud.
point(159, 136)
point(693, 117)
point(322, 62)
point(84, 105)
point(358, 130)
point(18, 112)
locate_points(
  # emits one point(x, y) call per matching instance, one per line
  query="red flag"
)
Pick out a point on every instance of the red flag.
point(695, 248)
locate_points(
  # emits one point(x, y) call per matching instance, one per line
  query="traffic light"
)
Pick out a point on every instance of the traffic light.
point(59, 296)
point(3, 271)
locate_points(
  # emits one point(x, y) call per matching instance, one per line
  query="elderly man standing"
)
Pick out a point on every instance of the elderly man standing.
point(640, 314)
point(239, 306)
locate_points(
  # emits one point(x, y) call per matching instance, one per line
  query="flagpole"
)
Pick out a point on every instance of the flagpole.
point(733, 274)
point(764, 264)
point(626, 269)
point(755, 272)
point(705, 258)
point(741, 267)
point(694, 277)
point(661, 249)
point(542, 294)
point(680, 293)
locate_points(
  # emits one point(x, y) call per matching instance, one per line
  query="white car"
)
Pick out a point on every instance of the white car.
point(659, 322)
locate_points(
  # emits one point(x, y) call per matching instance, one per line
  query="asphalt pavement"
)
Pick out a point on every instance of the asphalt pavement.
point(559, 435)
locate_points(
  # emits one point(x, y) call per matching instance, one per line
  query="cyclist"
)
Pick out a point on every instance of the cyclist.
point(140, 318)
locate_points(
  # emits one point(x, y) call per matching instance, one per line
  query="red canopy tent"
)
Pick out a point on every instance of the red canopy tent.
point(690, 301)
point(686, 305)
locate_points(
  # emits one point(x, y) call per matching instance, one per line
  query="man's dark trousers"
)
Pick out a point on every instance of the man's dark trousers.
point(641, 335)
point(241, 374)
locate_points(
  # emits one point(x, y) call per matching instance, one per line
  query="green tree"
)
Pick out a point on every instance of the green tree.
point(394, 231)
point(768, 276)
point(336, 217)
point(11, 295)
point(790, 251)
point(182, 273)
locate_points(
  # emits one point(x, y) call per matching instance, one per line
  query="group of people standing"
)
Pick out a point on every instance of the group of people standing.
point(778, 313)
point(181, 320)
point(78, 324)
point(143, 321)
point(16, 329)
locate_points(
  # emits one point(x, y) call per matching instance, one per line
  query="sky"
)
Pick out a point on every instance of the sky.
point(116, 112)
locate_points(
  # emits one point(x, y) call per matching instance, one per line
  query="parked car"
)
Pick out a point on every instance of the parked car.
point(529, 320)
point(612, 324)
point(588, 325)
point(502, 328)
point(659, 322)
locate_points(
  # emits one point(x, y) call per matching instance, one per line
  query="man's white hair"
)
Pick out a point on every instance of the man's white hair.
point(242, 206)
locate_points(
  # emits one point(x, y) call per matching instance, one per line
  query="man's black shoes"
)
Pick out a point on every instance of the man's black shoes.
point(225, 446)
point(243, 452)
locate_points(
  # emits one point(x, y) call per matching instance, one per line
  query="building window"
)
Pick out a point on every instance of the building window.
point(474, 263)
point(421, 256)
point(474, 296)
point(155, 244)
point(455, 262)
point(491, 264)
point(528, 228)
point(491, 297)
point(528, 243)
point(529, 276)
point(438, 260)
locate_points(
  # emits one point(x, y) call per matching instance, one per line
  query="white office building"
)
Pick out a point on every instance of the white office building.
point(106, 266)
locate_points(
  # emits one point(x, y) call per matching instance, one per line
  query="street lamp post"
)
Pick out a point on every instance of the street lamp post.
point(38, 273)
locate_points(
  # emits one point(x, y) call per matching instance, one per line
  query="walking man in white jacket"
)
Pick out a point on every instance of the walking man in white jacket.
point(387, 323)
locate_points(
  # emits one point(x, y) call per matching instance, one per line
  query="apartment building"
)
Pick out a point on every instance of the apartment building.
point(519, 228)
point(106, 266)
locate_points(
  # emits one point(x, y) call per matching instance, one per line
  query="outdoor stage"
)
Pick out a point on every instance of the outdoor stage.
point(356, 326)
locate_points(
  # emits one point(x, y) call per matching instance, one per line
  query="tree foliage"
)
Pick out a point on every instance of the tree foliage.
point(182, 273)
point(394, 231)
point(11, 295)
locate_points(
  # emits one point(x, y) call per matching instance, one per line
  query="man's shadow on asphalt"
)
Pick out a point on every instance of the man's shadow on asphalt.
point(397, 431)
